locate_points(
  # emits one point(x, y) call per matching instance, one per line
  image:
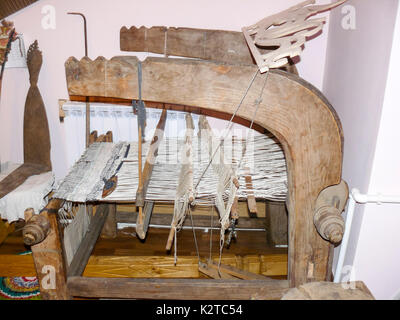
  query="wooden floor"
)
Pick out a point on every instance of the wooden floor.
point(127, 256)
point(248, 242)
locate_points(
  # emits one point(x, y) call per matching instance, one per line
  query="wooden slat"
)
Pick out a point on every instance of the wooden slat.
point(293, 110)
point(19, 176)
point(143, 226)
point(177, 289)
point(276, 223)
point(85, 249)
point(150, 159)
point(214, 273)
point(235, 272)
point(8, 7)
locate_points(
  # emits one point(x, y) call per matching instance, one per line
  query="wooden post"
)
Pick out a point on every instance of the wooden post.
point(48, 257)
point(110, 226)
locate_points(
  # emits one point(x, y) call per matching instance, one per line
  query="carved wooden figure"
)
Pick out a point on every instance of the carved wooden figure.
point(287, 30)
point(35, 128)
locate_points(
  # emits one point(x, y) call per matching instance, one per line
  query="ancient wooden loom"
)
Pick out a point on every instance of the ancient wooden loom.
point(288, 107)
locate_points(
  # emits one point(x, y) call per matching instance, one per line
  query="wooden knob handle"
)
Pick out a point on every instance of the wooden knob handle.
point(329, 223)
point(36, 230)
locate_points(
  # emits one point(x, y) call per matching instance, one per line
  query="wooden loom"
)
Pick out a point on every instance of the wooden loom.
point(294, 111)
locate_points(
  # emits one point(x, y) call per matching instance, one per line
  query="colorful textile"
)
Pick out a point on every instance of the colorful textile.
point(6, 30)
point(19, 288)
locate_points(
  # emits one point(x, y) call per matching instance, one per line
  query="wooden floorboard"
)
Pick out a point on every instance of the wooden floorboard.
point(127, 256)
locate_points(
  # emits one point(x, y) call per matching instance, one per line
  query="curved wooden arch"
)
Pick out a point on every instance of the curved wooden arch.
point(291, 109)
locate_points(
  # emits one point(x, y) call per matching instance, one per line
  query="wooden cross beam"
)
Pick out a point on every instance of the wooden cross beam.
point(177, 289)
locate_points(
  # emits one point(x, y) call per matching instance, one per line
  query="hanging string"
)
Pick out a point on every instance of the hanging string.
point(258, 102)
point(194, 234)
point(229, 127)
point(232, 195)
point(211, 231)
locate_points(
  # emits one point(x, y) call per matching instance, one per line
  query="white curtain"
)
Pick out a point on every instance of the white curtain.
point(116, 118)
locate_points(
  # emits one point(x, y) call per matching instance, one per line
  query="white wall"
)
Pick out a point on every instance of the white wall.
point(105, 18)
point(365, 92)
point(379, 232)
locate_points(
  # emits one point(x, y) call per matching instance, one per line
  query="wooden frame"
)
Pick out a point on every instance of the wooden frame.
point(293, 110)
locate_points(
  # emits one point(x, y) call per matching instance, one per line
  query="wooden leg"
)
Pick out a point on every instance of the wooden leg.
point(5, 230)
point(110, 226)
point(49, 260)
point(276, 223)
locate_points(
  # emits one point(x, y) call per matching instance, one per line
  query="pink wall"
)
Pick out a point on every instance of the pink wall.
point(379, 232)
point(356, 83)
point(105, 18)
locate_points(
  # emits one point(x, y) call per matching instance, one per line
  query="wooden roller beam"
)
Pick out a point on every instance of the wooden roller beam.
point(294, 111)
point(36, 229)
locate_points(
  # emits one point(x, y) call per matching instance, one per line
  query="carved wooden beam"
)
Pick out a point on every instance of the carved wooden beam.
point(36, 128)
point(287, 30)
point(218, 45)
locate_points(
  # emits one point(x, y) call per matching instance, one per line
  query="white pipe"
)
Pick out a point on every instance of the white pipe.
point(357, 197)
point(373, 198)
point(345, 240)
